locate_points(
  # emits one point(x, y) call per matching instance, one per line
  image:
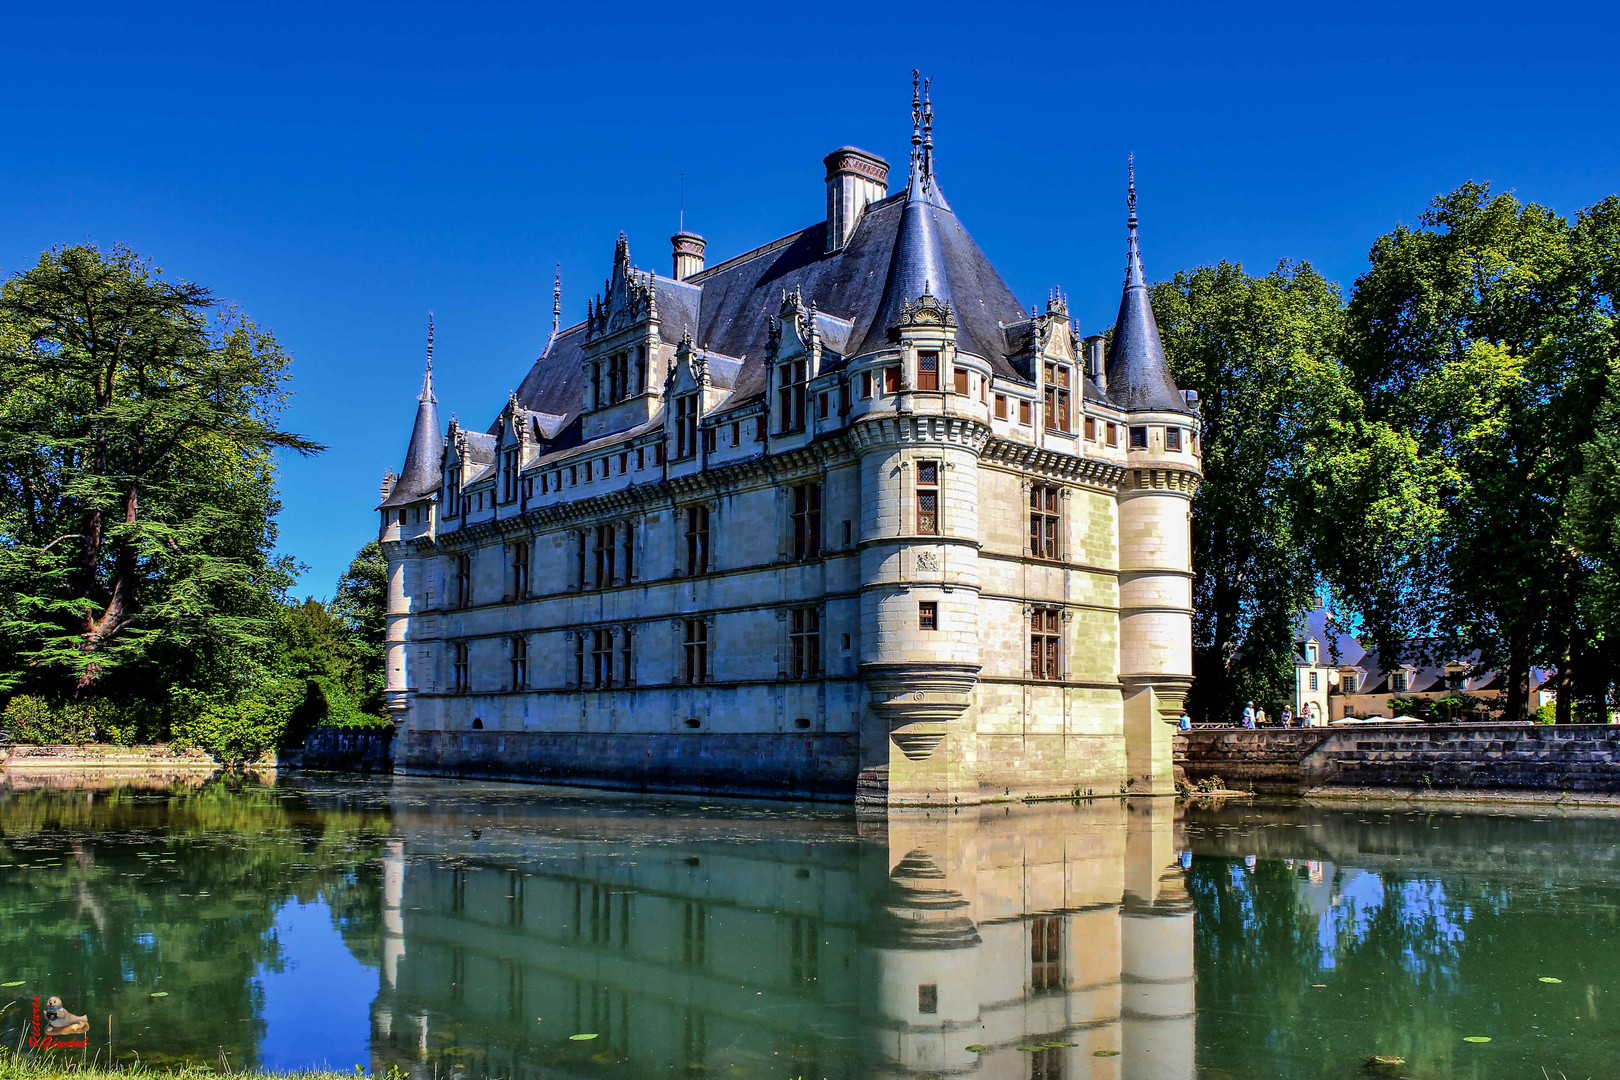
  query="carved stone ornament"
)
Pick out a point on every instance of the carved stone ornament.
point(927, 310)
point(928, 561)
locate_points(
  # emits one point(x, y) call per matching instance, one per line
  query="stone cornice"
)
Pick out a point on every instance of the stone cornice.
point(1053, 463)
point(891, 429)
point(1183, 481)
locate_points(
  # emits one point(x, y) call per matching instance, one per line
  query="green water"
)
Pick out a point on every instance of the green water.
point(461, 929)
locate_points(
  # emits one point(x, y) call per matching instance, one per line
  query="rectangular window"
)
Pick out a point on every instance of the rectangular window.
point(641, 457)
point(627, 550)
point(959, 380)
point(1172, 438)
point(520, 570)
point(658, 453)
point(804, 635)
point(545, 483)
point(520, 662)
point(1023, 413)
point(697, 540)
point(602, 658)
point(581, 581)
point(696, 648)
point(604, 555)
point(1045, 953)
point(736, 433)
point(1045, 643)
point(1113, 434)
point(928, 498)
point(1313, 682)
point(459, 666)
point(624, 463)
point(1350, 683)
point(509, 475)
point(1397, 682)
point(1043, 521)
point(1091, 428)
point(708, 440)
point(928, 371)
point(759, 428)
point(790, 380)
point(823, 404)
point(618, 377)
point(1138, 438)
point(1057, 397)
point(1001, 406)
point(686, 417)
point(928, 615)
point(579, 659)
point(627, 656)
point(928, 998)
point(573, 476)
point(806, 521)
point(891, 380)
point(463, 580)
point(866, 385)
point(843, 398)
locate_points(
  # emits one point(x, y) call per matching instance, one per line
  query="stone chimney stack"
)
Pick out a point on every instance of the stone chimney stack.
point(1094, 362)
point(688, 254)
point(854, 178)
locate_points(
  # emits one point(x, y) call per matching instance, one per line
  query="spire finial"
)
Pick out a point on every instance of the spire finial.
point(427, 376)
point(682, 221)
point(556, 301)
point(1130, 188)
point(916, 116)
point(928, 130)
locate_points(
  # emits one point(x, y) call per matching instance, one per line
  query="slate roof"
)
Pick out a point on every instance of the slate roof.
point(1138, 373)
point(424, 457)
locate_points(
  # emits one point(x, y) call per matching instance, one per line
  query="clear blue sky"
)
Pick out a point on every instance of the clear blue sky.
point(338, 169)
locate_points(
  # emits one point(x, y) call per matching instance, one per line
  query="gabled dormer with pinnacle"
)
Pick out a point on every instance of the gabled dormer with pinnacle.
point(837, 517)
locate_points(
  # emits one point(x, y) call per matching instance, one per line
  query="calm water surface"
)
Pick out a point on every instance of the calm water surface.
point(459, 928)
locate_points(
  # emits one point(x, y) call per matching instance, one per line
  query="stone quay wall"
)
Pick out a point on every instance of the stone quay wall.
point(1467, 757)
point(335, 749)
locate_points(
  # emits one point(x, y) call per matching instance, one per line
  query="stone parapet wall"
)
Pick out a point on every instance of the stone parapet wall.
point(1470, 757)
point(102, 756)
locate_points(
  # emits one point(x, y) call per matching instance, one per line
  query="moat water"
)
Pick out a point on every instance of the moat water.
point(480, 930)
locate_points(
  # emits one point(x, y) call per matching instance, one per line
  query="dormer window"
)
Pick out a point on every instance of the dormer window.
point(1057, 397)
point(790, 379)
point(1398, 682)
point(509, 475)
point(618, 376)
point(1310, 652)
point(686, 417)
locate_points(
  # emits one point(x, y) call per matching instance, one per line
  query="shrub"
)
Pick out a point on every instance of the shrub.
point(238, 729)
point(34, 720)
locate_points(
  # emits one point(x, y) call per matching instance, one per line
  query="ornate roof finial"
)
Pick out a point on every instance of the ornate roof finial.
point(928, 130)
point(916, 118)
point(427, 378)
point(556, 301)
point(1130, 189)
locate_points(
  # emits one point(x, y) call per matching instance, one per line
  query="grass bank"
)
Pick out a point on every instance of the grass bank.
point(69, 1065)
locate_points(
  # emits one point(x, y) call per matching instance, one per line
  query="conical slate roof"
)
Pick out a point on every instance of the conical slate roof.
point(424, 460)
point(1138, 373)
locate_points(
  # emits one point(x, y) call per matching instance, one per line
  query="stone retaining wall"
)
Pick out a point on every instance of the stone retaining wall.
point(98, 756)
point(362, 750)
point(1469, 757)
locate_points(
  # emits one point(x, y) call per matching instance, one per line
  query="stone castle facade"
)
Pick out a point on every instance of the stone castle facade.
point(837, 518)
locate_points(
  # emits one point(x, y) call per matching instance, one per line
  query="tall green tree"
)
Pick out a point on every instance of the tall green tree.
point(361, 601)
point(1486, 333)
point(138, 427)
point(1298, 484)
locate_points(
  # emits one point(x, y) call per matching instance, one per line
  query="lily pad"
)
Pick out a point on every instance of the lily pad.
point(581, 1037)
point(1029, 1049)
point(1549, 979)
point(974, 1048)
point(161, 993)
point(19, 982)
point(1476, 1038)
point(1105, 1053)
point(1056, 1045)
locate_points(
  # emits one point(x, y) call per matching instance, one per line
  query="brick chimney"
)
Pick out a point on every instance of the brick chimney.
point(688, 254)
point(854, 178)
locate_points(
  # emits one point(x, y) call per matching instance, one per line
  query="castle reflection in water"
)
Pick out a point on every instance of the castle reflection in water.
point(704, 941)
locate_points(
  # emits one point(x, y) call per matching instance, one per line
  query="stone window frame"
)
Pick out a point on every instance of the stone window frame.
point(1001, 407)
point(520, 553)
point(518, 655)
point(805, 656)
point(696, 547)
point(805, 505)
point(928, 616)
point(1053, 520)
point(1172, 439)
point(1046, 954)
point(462, 570)
point(686, 426)
point(696, 650)
point(792, 390)
point(603, 647)
point(1058, 413)
point(1046, 629)
point(929, 378)
point(927, 481)
point(460, 666)
point(1139, 437)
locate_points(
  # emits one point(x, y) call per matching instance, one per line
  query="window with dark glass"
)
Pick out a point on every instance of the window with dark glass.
point(697, 540)
point(928, 498)
point(823, 405)
point(1138, 438)
point(1045, 643)
point(602, 657)
point(1057, 397)
point(618, 376)
point(1043, 521)
point(627, 549)
point(1172, 438)
point(604, 553)
point(686, 417)
point(928, 615)
point(790, 380)
point(866, 384)
point(458, 666)
point(520, 570)
point(806, 521)
point(581, 581)
point(804, 637)
point(627, 656)
point(579, 659)
point(928, 371)
point(520, 662)
point(696, 648)
point(463, 580)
